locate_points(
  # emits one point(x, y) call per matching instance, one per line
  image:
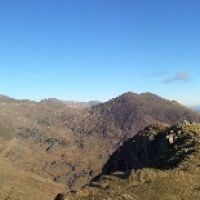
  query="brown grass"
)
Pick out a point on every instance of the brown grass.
point(19, 184)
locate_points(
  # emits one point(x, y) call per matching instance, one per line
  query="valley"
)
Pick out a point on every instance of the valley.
point(61, 146)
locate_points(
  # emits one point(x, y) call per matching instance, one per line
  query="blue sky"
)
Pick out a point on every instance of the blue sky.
point(98, 49)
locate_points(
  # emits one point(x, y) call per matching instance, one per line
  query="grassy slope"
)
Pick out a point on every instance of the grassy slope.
point(25, 185)
point(26, 166)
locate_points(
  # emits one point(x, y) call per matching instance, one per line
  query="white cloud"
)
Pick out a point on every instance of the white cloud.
point(179, 77)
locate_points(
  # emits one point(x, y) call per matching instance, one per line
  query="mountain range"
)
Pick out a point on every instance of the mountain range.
point(55, 146)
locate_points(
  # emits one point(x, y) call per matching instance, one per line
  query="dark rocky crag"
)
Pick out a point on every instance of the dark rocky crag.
point(157, 146)
point(154, 164)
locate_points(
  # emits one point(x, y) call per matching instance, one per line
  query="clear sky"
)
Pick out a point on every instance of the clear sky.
point(98, 49)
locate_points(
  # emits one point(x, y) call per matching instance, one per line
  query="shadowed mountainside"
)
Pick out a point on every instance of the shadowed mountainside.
point(157, 146)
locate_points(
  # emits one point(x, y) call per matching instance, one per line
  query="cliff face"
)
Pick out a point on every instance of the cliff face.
point(158, 146)
point(161, 162)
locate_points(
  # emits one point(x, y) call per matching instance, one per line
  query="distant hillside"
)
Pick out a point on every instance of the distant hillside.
point(71, 103)
point(129, 113)
point(82, 104)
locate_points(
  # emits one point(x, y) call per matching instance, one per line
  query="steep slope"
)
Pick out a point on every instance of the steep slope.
point(124, 116)
point(35, 142)
point(157, 146)
point(18, 183)
point(161, 162)
point(68, 143)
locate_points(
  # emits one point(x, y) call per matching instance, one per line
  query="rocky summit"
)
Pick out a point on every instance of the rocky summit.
point(160, 162)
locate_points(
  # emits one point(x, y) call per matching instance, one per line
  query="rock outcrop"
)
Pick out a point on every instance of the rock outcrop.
point(160, 162)
point(158, 146)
